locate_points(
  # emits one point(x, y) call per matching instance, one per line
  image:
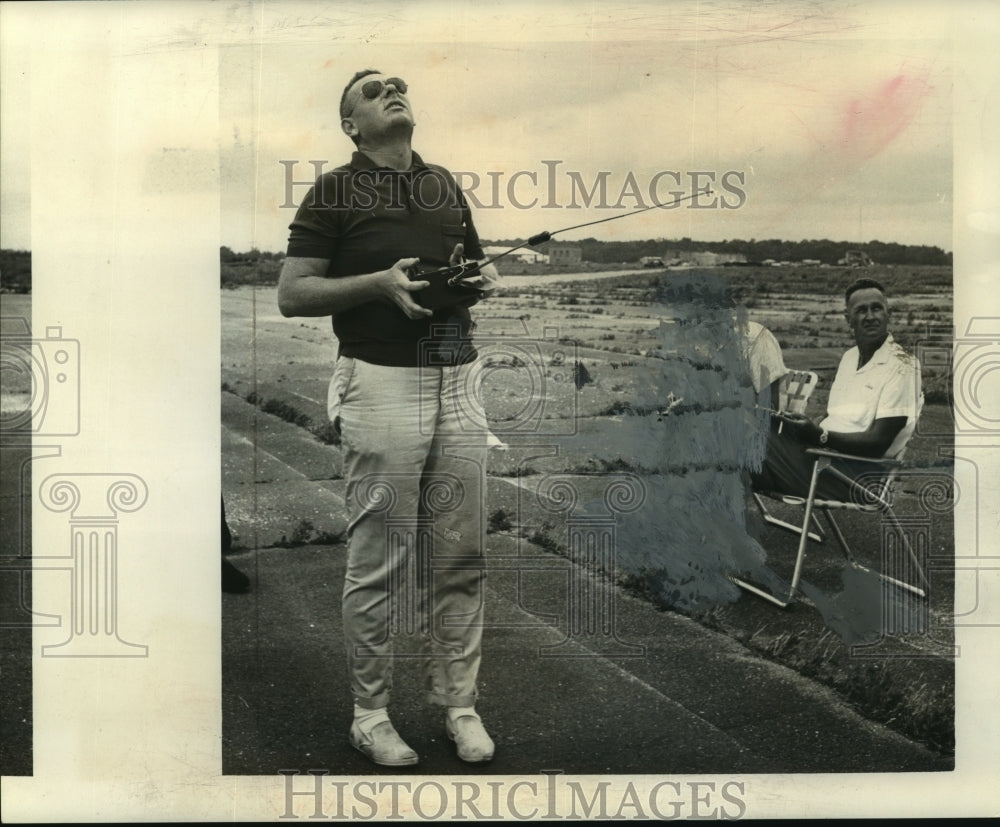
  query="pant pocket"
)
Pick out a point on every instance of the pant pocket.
point(339, 382)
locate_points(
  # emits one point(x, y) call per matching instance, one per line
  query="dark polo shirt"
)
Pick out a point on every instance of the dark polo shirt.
point(364, 218)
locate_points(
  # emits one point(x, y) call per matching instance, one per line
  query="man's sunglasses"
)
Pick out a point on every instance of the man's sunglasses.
point(373, 88)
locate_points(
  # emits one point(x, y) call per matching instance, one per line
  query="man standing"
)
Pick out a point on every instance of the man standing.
point(872, 410)
point(404, 395)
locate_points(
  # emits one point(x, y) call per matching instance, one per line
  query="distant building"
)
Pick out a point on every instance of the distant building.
point(702, 258)
point(563, 254)
point(525, 256)
point(855, 258)
point(651, 261)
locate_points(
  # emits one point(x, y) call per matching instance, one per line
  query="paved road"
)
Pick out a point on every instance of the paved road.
point(661, 694)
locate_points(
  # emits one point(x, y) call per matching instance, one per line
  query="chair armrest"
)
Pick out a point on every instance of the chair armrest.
point(888, 462)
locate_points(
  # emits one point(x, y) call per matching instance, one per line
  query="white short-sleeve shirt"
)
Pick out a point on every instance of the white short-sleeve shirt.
point(887, 385)
point(763, 355)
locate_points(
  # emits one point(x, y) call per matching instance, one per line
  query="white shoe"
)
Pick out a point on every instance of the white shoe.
point(383, 745)
point(474, 744)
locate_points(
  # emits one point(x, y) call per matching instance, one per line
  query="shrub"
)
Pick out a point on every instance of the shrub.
point(284, 411)
point(326, 433)
point(498, 521)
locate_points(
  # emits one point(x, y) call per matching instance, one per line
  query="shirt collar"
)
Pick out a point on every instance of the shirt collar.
point(880, 356)
point(360, 161)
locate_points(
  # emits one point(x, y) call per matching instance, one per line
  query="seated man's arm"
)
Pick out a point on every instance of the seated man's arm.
point(871, 443)
point(305, 290)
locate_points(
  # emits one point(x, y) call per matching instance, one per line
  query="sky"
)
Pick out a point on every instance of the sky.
point(809, 120)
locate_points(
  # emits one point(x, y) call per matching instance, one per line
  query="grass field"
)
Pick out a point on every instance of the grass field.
point(587, 367)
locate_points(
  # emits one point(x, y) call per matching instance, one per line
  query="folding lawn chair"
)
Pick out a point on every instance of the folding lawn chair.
point(796, 388)
point(793, 397)
point(870, 494)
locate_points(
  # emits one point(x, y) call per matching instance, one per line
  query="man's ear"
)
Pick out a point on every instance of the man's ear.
point(349, 127)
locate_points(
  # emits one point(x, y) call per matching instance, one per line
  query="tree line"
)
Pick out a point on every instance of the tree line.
point(755, 251)
point(611, 252)
point(15, 265)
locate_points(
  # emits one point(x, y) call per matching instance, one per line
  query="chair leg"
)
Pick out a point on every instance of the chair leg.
point(824, 463)
point(891, 517)
point(816, 537)
point(750, 587)
point(804, 536)
point(841, 539)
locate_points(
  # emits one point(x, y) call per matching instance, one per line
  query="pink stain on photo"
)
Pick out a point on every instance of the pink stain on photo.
point(872, 122)
point(856, 125)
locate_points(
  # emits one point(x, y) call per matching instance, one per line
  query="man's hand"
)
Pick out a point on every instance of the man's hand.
point(487, 280)
point(396, 286)
point(802, 428)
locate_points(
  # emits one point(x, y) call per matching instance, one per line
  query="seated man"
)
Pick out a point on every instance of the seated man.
point(871, 412)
